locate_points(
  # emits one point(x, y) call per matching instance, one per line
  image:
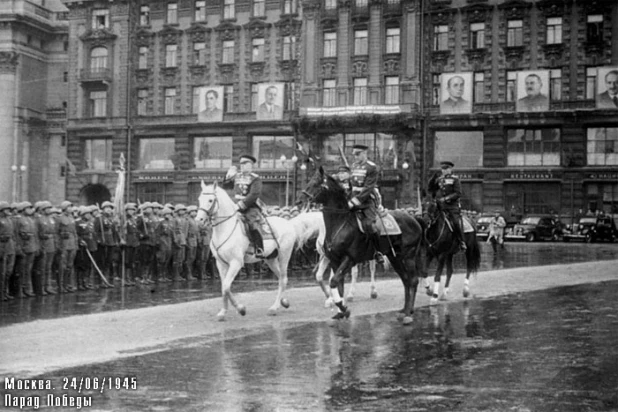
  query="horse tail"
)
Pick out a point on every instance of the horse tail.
point(304, 231)
point(473, 253)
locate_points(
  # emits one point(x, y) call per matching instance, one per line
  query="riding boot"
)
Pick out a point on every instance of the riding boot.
point(378, 256)
point(460, 234)
point(259, 244)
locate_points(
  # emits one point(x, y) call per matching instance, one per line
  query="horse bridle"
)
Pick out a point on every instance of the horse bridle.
point(211, 211)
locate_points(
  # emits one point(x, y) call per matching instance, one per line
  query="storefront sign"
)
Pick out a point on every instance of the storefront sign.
point(470, 176)
point(532, 175)
point(153, 178)
point(603, 176)
point(349, 110)
point(220, 177)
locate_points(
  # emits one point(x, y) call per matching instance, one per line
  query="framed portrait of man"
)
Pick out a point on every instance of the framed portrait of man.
point(270, 101)
point(211, 104)
point(607, 88)
point(456, 95)
point(532, 91)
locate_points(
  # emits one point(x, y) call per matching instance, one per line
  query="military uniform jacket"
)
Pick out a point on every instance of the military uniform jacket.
point(106, 231)
point(18, 248)
point(147, 226)
point(132, 233)
point(85, 232)
point(364, 181)
point(247, 190)
point(447, 187)
point(205, 230)
point(67, 231)
point(7, 234)
point(27, 234)
point(165, 235)
point(48, 231)
point(193, 232)
point(181, 231)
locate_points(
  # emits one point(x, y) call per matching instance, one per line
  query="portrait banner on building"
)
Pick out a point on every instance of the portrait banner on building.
point(456, 93)
point(211, 104)
point(270, 101)
point(532, 91)
point(607, 88)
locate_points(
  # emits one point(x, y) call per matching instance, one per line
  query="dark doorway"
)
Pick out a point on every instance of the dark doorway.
point(94, 194)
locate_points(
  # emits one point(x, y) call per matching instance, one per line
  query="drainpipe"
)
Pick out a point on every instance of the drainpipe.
point(16, 123)
point(129, 127)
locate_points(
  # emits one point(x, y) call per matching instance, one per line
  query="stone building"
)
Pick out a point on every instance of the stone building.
point(33, 79)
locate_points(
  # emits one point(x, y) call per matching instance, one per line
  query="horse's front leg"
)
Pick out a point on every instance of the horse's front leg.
point(323, 266)
point(222, 268)
point(372, 270)
point(428, 290)
point(449, 274)
point(436, 281)
point(350, 296)
point(335, 283)
point(226, 288)
point(279, 267)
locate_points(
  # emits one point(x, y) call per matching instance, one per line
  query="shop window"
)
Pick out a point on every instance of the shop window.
point(602, 146)
point(212, 152)
point(98, 154)
point(533, 147)
point(464, 148)
point(521, 199)
point(602, 197)
point(269, 149)
point(156, 153)
point(153, 192)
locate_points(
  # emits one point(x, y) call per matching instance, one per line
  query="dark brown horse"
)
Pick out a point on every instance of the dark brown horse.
point(345, 245)
point(442, 245)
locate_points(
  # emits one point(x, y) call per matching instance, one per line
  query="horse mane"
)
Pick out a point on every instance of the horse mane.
point(335, 191)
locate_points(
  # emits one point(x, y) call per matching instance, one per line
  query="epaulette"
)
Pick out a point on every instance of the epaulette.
point(369, 162)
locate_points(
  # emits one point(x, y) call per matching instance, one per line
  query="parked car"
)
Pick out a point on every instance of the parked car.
point(536, 227)
point(482, 226)
point(593, 229)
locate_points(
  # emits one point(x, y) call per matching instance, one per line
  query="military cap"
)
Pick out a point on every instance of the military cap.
point(131, 206)
point(107, 203)
point(14, 205)
point(55, 210)
point(247, 157)
point(93, 208)
point(145, 205)
point(180, 206)
point(37, 205)
point(343, 169)
point(157, 205)
point(44, 205)
point(360, 147)
point(84, 210)
point(192, 208)
point(23, 206)
point(166, 211)
point(64, 205)
point(170, 206)
point(4, 205)
point(446, 164)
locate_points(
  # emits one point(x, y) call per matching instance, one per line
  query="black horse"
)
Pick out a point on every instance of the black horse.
point(442, 245)
point(345, 245)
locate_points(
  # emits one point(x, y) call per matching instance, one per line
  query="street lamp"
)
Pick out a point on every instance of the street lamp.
point(288, 165)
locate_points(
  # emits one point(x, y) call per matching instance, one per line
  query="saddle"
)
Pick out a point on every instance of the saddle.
point(385, 224)
point(262, 226)
point(468, 227)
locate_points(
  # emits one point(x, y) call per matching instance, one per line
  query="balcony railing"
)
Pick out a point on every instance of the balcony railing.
point(98, 74)
point(510, 107)
point(395, 95)
point(27, 8)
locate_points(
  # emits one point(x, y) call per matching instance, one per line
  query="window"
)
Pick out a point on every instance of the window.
point(533, 147)
point(554, 30)
point(142, 60)
point(360, 4)
point(511, 86)
point(153, 192)
point(172, 13)
point(229, 9)
point(195, 99)
point(144, 15)
point(330, 4)
point(594, 28)
point(228, 99)
point(254, 96)
point(289, 48)
point(381, 146)
point(602, 147)
point(100, 19)
point(269, 149)
point(98, 103)
point(515, 33)
point(212, 152)
point(591, 82)
point(329, 98)
point(142, 102)
point(289, 96)
point(257, 50)
point(170, 55)
point(440, 37)
point(170, 100)
point(330, 44)
point(477, 36)
point(479, 87)
point(436, 89)
point(259, 8)
point(602, 196)
point(156, 153)
point(360, 91)
point(65, 76)
point(464, 148)
point(391, 93)
point(199, 53)
point(555, 84)
point(228, 52)
point(289, 6)
point(360, 42)
point(393, 40)
point(200, 10)
point(98, 59)
point(98, 154)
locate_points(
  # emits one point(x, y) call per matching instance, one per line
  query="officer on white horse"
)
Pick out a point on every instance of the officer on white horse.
point(247, 191)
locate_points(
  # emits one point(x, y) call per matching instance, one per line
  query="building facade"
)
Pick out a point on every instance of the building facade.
point(33, 79)
point(531, 131)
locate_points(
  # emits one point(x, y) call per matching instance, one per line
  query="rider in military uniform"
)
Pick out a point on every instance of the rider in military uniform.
point(446, 188)
point(364, 183)
point(247, 190)
point(343, 177)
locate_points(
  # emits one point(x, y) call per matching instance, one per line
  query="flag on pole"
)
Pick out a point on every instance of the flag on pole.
point(119, 193)
point(345, 160)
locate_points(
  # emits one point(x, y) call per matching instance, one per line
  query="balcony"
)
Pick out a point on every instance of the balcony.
point(34, 11)
point(95, 75)
point(510, 107)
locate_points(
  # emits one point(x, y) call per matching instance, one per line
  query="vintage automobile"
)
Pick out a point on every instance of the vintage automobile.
point(536, 227)
point(593, 229)
point(482, 226)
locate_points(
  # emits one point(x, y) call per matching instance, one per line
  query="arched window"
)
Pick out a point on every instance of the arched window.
point(98, 59)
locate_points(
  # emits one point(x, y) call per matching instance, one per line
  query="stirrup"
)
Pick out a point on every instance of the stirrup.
point(379, 257)
point(259, 253)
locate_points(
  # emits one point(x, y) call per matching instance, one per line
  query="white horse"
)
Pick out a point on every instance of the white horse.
point(230, 245)
point(311, 224)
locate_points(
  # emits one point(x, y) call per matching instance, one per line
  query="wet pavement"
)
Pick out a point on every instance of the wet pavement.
point(550, 350)
point(50, 307)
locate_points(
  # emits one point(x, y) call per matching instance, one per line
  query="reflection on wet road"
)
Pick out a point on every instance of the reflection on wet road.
point(516, 255)
point(553, 350)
